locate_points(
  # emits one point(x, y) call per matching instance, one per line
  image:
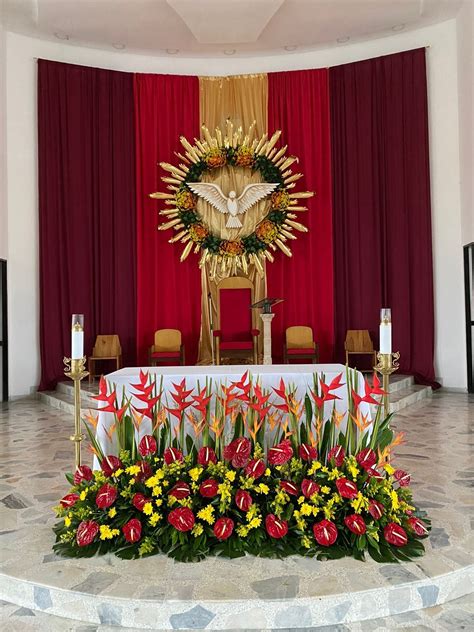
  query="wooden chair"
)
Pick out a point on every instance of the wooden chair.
point(235, 336)
point(167, 348)
point(300, 345)
point(359, 342)
point(107, 347)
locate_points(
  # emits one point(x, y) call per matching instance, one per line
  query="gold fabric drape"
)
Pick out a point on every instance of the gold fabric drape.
point(242, 98)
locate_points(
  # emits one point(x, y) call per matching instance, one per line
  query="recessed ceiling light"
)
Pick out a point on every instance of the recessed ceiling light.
point(344, 39)
point(230, 51)
point(398, 27)
point(290, 48)
point(118, 46)
point(61, 36)
point(172, 51)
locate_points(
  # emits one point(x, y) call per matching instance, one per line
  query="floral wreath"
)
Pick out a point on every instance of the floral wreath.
point(234, 150)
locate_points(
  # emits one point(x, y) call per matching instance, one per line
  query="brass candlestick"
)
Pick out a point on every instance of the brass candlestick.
point(75, 369)
point(386, 365)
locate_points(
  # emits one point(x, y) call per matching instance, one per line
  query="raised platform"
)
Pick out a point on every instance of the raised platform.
point(249, 593)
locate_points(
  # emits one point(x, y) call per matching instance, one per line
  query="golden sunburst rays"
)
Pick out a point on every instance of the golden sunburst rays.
point(231, 146)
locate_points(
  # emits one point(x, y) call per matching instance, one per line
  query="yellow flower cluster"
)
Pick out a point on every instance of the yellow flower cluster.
point(106, 533)
point(197, 529)
point(314, 467)
point(207, 514)
point(360, 503)
point(154, 519)
point(148, 509)
point(133, 470)
point(195, 473)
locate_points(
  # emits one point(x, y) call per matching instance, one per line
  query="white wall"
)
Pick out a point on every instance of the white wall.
point(3, 147)
point(22, 168)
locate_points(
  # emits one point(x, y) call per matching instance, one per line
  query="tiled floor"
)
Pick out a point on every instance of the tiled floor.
point(35, 452)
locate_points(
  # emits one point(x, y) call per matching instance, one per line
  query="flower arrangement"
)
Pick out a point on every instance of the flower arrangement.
point(288, 480)
point(232, 149)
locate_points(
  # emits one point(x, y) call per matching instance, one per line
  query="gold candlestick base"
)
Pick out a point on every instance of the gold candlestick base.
point(386, 365)
point(75, 369)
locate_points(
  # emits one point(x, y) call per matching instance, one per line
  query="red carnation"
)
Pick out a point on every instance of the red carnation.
point(145, 471)
point(325, 532)
point(366, 458)
point(209, 488)
point(356, 524)
point(417, 525)
point(132, 530)
point(86, 532)
point(289, 487)
point(181, 519)
point(243, 500)
point(171, 455)
point(346, 488)
point(307, 452)
point(238, 451)
point(395, 534)
point(206, 456)
point(255, 468)
point(110, 464)
point(69, 500)
point(83, 473)
point(376, 509)
point(402, 478)
point(180, 490)
point(309, 487)
point(281, 453)
point(337, 455)
point(147, 445)
point(139, 501)
point(223, 528)
point(275, 527)
point(106, 496)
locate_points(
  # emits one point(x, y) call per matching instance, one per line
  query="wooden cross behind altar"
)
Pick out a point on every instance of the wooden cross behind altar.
point(267, 315)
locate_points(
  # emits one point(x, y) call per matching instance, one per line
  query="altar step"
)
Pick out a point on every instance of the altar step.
point(403, 393)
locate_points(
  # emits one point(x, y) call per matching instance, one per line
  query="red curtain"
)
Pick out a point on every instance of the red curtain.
point(381, 197)
point(86, 156)
point(298, 104)
point(168, 292)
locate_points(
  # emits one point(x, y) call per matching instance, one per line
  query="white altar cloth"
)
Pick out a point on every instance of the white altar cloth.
point(300, 376)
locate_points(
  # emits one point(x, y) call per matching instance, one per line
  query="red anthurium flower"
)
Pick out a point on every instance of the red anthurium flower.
point(402, 478)
point(276, 528)
point(209, 488)
point(346, 488)
point(180, 490)
point(181, 519)
point(238, 451)
point(356, 524)
point(132, 530)
point(243, 500)
point(147, 445)
point(109, 464)
point(206, 456)
point(171, 455)
point(69, 500)
point(395, 534)
point(309, 488)
point(139, 501)
point(145, 471)
point(373, 473)
point(223, 528)
point(376, 509)
point(307, 452)
point(83, 473)
point(281, 453)
point(86, 532)
point(325, 532)
point(255, 468)
point(289, 487)
point(417, 525)
point(106, 496)
point(337, 455)
point(366, 458)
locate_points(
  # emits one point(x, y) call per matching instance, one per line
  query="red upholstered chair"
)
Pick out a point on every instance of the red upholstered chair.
point(299, 345)
point(236, 336)
point(168, 348)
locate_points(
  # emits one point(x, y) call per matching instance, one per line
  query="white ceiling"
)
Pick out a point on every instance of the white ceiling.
point(218, 27)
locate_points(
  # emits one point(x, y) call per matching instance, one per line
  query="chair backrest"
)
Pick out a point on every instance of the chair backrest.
point(107, 346)
point(299, 337)
point(235, 295)
point(167, 340)
point(359, 340)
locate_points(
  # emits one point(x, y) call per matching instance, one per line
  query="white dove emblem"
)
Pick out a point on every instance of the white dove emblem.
point(232, 205)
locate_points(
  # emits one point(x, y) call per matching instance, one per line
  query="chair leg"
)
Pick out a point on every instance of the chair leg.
point(218, 351)
point(90, 371)
point(255, 350)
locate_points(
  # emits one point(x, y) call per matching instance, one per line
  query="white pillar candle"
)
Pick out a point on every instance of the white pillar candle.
point(77, 336)
point(385, 330)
